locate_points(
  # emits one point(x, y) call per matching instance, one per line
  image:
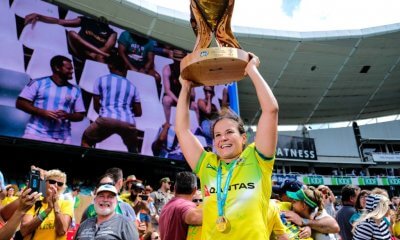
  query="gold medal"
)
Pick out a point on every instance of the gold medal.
point(223, 224)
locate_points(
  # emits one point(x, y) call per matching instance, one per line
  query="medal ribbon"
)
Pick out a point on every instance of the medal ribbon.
point(222, 196)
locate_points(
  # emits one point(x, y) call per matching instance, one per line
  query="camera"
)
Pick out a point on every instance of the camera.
point(144, 197)
point(36, 183)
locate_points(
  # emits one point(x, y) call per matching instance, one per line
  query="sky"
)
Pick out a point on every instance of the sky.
point(305, 15)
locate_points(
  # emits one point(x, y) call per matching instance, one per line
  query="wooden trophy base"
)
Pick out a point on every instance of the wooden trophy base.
point(213, 66)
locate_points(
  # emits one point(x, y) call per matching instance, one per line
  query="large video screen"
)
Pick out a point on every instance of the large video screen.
point(34, 105)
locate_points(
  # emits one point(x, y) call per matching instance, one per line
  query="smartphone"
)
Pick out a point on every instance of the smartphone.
point(34, 180)
point(144, 197)
point(36, 183)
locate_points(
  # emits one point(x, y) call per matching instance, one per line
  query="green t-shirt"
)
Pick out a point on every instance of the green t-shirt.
point(137, 53)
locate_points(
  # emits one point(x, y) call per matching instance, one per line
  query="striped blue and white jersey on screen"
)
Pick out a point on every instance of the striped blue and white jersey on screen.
point(47, 95)
point(116, 95)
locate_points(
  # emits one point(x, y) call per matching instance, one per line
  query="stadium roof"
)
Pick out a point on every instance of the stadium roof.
point(317, 77)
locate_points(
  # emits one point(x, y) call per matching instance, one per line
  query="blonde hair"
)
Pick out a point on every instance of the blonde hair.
point(380, 191)
point(58, 174)
point(316, 196)
point(378, 213)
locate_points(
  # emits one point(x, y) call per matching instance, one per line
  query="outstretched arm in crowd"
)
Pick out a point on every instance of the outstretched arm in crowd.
point(21, 206)
point(326, 224)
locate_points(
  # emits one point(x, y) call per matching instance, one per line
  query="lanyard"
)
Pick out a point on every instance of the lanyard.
point(222, 196)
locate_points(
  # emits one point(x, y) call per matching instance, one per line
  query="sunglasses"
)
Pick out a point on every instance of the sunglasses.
point(197, 200)
point(52, 182)
point(156, 237)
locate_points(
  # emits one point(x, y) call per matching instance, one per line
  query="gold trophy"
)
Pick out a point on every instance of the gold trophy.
point(215, 65)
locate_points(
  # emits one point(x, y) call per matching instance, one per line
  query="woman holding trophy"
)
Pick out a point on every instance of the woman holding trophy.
point(236, 181)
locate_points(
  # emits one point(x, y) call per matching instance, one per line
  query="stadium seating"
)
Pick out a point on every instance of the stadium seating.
point(91, 71)
point(7, 23)
point(44, 35)
point(152, 117)
point(25, 7)
point(145, 84)
point(12, 126)
point(150, 134)
point(194, 123)
point(39, 64)
point(12, 55)
point(9, 90)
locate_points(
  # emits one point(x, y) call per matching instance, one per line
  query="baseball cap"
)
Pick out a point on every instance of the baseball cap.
point(300, 195)
point(288, 185)
point(137, 186)
point(106, 188)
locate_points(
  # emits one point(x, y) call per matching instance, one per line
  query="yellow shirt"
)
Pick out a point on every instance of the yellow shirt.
point(275, 225)
point(8, 200)
point(396, 229)
point(47, 230)
point(248, 195)
point(290, 228)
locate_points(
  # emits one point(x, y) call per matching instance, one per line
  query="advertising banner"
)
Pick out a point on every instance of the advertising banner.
point(313, 180)
point(367, 181)
point(341, 180)
point(296, 148)
point(391, 181)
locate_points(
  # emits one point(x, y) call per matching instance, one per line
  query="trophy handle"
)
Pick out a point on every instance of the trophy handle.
point(200, 27)
point(224, 34)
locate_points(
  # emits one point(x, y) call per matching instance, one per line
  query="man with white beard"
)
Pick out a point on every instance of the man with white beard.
point(107, 225)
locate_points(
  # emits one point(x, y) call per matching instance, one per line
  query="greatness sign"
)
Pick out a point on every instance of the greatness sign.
point(296, 148)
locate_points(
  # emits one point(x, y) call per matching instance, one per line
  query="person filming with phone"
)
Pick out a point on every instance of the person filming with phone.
point(12, 213)
point(50, 218)
point(328, 199)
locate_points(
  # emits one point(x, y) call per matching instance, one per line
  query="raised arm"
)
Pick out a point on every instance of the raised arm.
point(24, 203)
point(326, 224)
point(267, 129)
point(34, 17)
point(190, 145)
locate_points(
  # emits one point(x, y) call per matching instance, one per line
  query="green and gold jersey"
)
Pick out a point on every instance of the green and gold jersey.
point(248, 194)
point(291, 229)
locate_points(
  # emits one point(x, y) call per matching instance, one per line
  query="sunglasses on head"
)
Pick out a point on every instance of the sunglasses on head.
point(197, 200)
point(52, 182)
